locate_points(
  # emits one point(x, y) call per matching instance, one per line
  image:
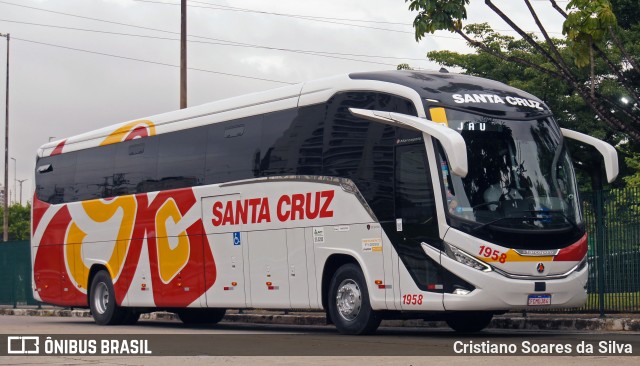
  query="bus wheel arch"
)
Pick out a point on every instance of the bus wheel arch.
point(346, 297)
point(92, 273)
point(331, 265)
point(102, 299)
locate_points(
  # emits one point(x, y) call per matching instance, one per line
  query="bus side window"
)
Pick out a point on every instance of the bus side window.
point(415, 203)
point(231, 149)
point(56, 185)
point(94, 173)
point(136, 166)
point(181, 158)
point(292, 142)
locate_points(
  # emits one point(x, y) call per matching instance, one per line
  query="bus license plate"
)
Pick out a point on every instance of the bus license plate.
point(537, 300)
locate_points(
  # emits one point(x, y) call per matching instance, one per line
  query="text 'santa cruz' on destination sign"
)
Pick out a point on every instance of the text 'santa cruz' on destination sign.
point(496, 99)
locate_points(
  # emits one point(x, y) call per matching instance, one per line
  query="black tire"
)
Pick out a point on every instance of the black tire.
point(201, 316)
point(102, 301)
point(356, 317)
point(469, 322)
point(131, 317)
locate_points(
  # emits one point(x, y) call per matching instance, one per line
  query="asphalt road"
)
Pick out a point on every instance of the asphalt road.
point(265, 345)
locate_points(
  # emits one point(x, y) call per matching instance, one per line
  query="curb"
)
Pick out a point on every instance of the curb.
point(537, 322)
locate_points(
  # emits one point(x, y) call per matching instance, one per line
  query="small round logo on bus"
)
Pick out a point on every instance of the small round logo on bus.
point(540, 267)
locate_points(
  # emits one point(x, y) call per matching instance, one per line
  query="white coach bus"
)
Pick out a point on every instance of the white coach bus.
point(380, 195)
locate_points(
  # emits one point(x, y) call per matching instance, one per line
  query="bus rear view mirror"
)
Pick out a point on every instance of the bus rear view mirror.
point(608, 152)
point(452, 142)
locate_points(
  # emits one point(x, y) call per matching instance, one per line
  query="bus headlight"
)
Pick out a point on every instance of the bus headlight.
point(460, 256)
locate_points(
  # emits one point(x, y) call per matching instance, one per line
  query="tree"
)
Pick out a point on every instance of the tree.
point(595, 38)
point(19, 222)
point(570, 110)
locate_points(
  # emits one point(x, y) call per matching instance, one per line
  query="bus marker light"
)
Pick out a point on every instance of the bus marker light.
point(269, 283)
point(234, 284)
point(381, 285)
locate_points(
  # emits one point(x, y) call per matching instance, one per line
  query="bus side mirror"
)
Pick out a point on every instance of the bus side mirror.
point(608, 152)
point(451, 141)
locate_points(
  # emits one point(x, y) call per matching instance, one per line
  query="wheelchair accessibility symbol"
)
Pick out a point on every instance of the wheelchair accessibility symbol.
point(236, 238)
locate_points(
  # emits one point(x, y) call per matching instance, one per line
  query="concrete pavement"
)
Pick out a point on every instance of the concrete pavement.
point(532, 321)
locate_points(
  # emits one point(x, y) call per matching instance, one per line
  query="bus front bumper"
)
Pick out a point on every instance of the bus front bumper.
point(494, 291)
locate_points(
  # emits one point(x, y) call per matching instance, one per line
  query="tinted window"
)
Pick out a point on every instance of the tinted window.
point(363, 151)
point(292, 142)
point(414, 190)
point(94, 173)
point(181, 157)
point(55, 183)
point(136, 166)
point(415, 205)
point(233, 150)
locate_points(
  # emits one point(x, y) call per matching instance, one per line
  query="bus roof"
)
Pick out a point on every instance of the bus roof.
point(475, 94)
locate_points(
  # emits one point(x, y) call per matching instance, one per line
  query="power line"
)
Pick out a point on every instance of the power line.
point(283, 14)
point(316, 18)
point(230, 8)
point(229, 43)
point(220, 6)
point(150, 62)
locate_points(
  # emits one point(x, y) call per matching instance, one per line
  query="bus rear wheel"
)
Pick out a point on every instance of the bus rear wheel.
point(469, 322)
point(348, 302)
point(201, 316)
point(102, 301)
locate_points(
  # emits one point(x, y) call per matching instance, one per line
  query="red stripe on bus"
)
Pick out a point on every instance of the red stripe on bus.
point(574, 252)
point(58, 149)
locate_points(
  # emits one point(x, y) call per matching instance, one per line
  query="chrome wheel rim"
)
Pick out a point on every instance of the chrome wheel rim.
point(101, 298)
point(349, 299)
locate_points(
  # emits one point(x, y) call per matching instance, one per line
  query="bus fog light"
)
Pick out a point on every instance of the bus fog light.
point(461, 291)
point(466, 259)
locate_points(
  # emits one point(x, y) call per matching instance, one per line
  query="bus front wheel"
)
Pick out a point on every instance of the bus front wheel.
point(102, 301)
point(348, 302)
point(469, 322)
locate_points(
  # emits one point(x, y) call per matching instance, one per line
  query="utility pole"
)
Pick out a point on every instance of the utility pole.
point(183, 55)
point(21, 181)
point(5, 234)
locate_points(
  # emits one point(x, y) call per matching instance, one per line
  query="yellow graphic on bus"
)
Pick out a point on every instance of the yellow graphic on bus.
point(76, 265)
point(173, 251)
point(101, 211)
point(142, 128)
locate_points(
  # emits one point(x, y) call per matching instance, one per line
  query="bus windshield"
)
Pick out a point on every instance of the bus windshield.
point(520, 177)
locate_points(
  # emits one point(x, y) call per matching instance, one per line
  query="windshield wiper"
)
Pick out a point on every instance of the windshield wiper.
point(573, 224)
point(559, 212)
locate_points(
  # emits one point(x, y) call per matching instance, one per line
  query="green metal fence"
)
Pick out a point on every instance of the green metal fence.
point(15, 274)
point(613, 224)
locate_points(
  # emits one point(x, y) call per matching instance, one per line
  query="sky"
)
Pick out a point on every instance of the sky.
point(58, 89)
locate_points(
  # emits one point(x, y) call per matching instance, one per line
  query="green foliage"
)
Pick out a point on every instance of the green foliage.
point(632, 159)
point(588, 22)
point(602, 100)
point(404, 67)
point(569, 108)
point(19, 222)
point(436, 15)
point(627, 12)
